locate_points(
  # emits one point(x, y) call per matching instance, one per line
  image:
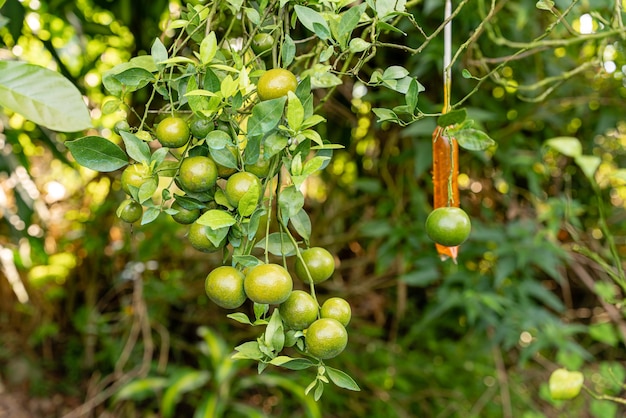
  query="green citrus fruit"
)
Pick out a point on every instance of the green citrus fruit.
point(320, 263)
point(326, 338)
point(224, 286)
point(197, 174)
point(276, 83)
point(223, 171)
point(172, 132)
point(135, 175)
point(130, 211)
point(565, 384)
point(184, 216)
point(260, 169)
point(262, 42)
point(238, 184)
point(199, 238)
point(268, 283)
point(200, 127)
point(121, 126)
point(337, 308)
point(448, 226)
point(299, 311)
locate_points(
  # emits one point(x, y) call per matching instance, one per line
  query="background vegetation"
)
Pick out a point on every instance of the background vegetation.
point(538, 286)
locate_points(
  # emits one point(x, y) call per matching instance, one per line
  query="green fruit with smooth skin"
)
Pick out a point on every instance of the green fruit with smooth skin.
point(299, 311)
point(197, 174)
point(136, 175)
point(260, 169)
point(223, 171)
point(565, 384)
point(262, 42)
point(337, 308)
point(172, 132)
point(448, 226)
point(320, 263)
point(199, 239)
point(200, 127)
point(276, 83)
point(121, 126)
point(184, 216)
point(268, 283)
point(238, 184)
point(130, 211)
point(326, 338)
point(224, 286)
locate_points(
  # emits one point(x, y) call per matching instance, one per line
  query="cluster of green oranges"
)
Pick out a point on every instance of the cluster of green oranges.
point(203, 183)
point(323, 327)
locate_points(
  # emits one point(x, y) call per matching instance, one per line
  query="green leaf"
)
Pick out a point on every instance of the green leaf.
point(566, 145)
point(278, 243)
point(302, 224)
point(158, 51)
point(140, 389)
point(544, 5)
point(288, 51)
point(327, 53)
point(313, 21)
point(274, 144)
point(240, 317)
point(385, 115)
point(136, 148)
point(342, 379)
point(150, 215)
point(395, 72)
point(42, 96)
point(349, 20)
point(295, 112)
point(473, 139)
point(186, 382)
point(97, 153)
point(208, 48)
point(246, 260)
point(359, 45)
point(292, 363)
point(249, 201)
point(248, 350)
point(383, 26)
point(452, 118)
point(274, 336)
point(588, 164)
point(412, 95)
point(290, 200)
point(216, 219)
point(265, 116)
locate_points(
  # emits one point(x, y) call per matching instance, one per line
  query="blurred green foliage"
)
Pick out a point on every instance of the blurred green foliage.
point(536, 287)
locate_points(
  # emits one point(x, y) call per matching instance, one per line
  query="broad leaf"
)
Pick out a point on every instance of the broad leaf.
point(473, 139)
point(313, 21)
point(42, 96)
point(136, 149)
point(265, 116)
point(452, 118)
point(278, 243)
point(292, 363)
point(216, 219)
point(342, 379)
point(566, 145)
point(97, 153)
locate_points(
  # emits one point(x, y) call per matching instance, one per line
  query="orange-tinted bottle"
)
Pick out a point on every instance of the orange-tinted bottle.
point(445, 180)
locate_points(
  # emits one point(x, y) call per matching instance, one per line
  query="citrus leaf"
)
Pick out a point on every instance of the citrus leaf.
point(342, 379)
point(278, 243)
point(349, 20)
point(588, 164)
point(290, 200)
point(42, 96)
point(208, 48)
point(473, 139)
point(248, 350)
point(292, 363)
point(136, 148)
point(302, 224)
point(249, 201)
point(216, 219)
point(288, 51)
point(240, 317)
point(265, 116)
point(158, 51)
point(452, 118)
point(566, 145)
point(313, 21)
point(150, 215)
point(97, 153)
point(295, 112)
